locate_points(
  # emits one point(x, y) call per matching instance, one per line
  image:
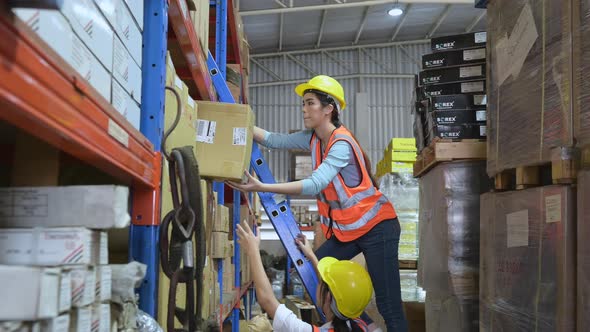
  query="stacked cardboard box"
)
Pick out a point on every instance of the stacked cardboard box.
point(449, 244)
point(450, 92)
point(528, 265)
point(102, 41)
point(398, 157)
point(54, 268)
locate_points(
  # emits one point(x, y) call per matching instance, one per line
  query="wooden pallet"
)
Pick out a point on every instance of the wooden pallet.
point(520, 178)
point(442, 150)
point(408, 265)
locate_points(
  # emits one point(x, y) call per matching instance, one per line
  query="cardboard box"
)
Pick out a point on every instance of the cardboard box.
point(528, 260)
point(477, 87)
point(81, 319)
point(453, 74)
point(457, 42)
point(120, 18)
point(461, 131)
point(459, 117)
point(57, 324)
point(222, 219)
point(29, 293)
point(104, 278)
point(136, 9)
point(83, 286)
point(53, 28)
point(101, 317)
point(453, 58)
point(126, 71)
point(200, 19)
point(90, 26)
point(459, 102)
point(302, 309)
point(403, 156)
point(65, 292)
point(125, 104)
point(220, 245)
point(228, 275)
point(224, 135)
point(99, 207)
point(402, 144)
point(53, 246)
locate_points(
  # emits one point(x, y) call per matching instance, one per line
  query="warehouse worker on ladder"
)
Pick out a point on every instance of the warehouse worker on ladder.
point(344, 291)
point(355, 216)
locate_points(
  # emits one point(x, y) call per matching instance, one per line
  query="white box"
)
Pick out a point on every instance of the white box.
point(53, 246)
point(28, 293)
point(86, 64)
point(52, 27)
point(121, 19)
point(90, 26)
point(57, 324)
point(126, 71)
point(125, 105)
point(136, 9)
point(104, 280)
point(65, 292)
point(99, 207)
point(83, 286)
point(101, 317)
point(81, 319)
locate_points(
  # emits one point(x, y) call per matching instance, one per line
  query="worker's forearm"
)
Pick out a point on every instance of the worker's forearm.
point(285, 188)
point(259, 134)
point(264, 293)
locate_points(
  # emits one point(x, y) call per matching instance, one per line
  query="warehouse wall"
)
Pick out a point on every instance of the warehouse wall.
point(389, 99)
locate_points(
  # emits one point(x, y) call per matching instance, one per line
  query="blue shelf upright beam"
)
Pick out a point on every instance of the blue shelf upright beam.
point(221, 35)
point(143, 239)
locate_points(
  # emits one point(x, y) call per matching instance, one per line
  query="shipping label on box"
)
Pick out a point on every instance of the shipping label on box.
point(224, 135)
point(81, 319)
point(51, 246)
point(65, 291)
point(104, 276)
point(90, 26)
point(29, 293)
point(83, 286)
point(98, 207)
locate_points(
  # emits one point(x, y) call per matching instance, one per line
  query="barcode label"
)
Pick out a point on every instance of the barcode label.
point(471, 87)
point(480, 99)
point(477, 54)
point(239, 136)
point(480, 37)
point(470, 71)
point(480, 116)
point(206, 131)
point(482, 131)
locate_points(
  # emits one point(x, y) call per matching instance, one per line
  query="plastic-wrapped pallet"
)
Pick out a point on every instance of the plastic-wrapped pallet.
point(402, 191)
point(449, 243)
point(530, 108)
point(528, 260)
point(411, 292)
point(583, 250)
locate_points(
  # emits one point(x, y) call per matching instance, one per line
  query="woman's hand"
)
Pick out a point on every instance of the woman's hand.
point(253, 184)
point(304, 245)
point(247, 239)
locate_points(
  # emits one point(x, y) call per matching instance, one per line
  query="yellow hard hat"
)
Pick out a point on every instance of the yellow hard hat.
point(349, 283)
point(325, 84)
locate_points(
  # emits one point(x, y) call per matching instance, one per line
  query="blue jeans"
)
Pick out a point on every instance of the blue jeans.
point(380, 247)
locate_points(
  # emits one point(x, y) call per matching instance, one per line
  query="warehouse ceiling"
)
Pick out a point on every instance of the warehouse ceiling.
point(273, 26)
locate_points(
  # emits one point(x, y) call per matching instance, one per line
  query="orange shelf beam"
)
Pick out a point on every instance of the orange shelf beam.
point(43, 96)
point(194, 56)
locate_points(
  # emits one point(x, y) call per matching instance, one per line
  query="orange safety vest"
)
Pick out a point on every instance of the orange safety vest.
point(354, 211)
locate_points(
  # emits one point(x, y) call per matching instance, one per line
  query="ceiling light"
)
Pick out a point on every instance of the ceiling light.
point(395, 12)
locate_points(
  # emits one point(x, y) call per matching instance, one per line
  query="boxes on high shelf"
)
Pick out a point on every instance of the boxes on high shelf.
point(453, 74)
point(458, 42)
point(104, 279)
point(98, 207)
point(81, 319)
point(221, 246)
point(53, 246)
point(475, 87)
point(83, 286)
point(528, 259)
point(533, 110)
point(453, 58)
point(222, 219)
point(136, 9)
point(53, 28)
point(224, 135)
point(121, 20)
point(101, 317)
point(126, 71)
point(200, 19)
point(125, 104)
point(228, 275)
point(29, 293)
point(57, 324)
point(234, 81)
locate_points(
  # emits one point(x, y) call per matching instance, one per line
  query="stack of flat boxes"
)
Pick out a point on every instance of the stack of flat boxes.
point(102, 41)
point(451, 100)
point(54, 272)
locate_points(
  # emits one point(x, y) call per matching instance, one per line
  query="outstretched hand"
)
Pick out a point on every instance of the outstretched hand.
point(247, 239)
point(304, 245)
point(253, 184)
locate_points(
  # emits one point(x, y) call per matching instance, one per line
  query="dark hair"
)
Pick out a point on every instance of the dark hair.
point(339, 325)
point(326, 100)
